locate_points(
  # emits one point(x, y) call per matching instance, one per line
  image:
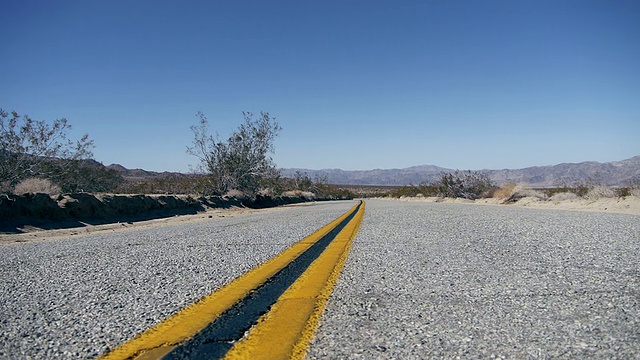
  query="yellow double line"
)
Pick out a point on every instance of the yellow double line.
point(285, 330)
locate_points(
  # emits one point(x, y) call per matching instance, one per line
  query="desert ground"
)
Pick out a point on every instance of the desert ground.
point(32, 234)
point(626, 205)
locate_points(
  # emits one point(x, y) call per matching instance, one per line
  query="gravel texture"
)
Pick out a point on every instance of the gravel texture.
point(435, 280)
point(79, 296)
point(423, 280)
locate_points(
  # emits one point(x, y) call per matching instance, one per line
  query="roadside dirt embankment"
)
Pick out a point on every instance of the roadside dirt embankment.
point(42, 211)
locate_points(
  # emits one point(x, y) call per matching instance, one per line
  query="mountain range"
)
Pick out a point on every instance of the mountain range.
point(615, 173)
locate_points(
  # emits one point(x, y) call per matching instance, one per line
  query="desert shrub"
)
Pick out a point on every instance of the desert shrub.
point(405, 191)
point(337, 193)
point(242, 161)
point(623, 191)
point(632, 187)
point(186, 185)
point(297, 193)
point(563, 196)
point(36, 186)
point(420, 190)
point(582, 190)
point(504, 191)
point(274, 185)
point(234, 193)
point(549, 192)
point(468, 185)
point(599, 192)
point(522, 191)
point(428, 190)
point(303, 182)
point(80, 176)
point(28, 147)
point(317, 188)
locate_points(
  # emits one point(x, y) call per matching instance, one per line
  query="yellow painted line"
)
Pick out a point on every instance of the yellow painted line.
point(286, 330)
point(160, 339)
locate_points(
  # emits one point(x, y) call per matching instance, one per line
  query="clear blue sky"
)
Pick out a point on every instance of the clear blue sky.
point(354, 84)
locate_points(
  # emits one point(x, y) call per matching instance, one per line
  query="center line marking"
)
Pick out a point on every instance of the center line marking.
point(270, 312)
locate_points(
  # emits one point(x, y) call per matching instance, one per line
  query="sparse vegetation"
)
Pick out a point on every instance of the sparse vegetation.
point(193, 184)
point(582, 190)
point(241, 162)
point(318, 185)
point(504, 191)
point(521, 191)
point(36, 186)
point(86, 177)
point(467, 185)
point(32, 148)
point(624, 192)
point(200, 185)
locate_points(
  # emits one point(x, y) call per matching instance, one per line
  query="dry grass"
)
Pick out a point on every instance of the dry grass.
point(563, 196)
point(36, 186)
point(504, 191)
point(522, 191)
point(304, 194)
point(599, 192)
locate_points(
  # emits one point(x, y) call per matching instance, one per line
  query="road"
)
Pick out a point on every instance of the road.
point(78, 297)
point(434, 280)
point(422, 280)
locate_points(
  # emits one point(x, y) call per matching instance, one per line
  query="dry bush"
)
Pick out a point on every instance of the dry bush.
point(405, 191)
point(36, 186)
point(599, 192)
point(469, 185)
point(298, 193)
point(522, 191)
point(233, 193)
point(308, 195)
point(292, 193)
point(563, 196)
point(504, 191)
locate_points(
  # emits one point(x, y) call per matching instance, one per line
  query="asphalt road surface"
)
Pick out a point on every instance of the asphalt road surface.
point(422, 280)
point(81, 296)
point(434, 280)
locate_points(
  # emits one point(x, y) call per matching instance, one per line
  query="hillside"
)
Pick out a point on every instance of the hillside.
point(615, 173)
point(140, 174)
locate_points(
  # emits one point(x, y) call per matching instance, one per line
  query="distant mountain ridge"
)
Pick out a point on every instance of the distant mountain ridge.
point(140, 174)
point(411, 175)
point(615, 173)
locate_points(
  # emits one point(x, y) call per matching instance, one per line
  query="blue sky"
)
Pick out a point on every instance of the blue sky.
point(354, 84)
